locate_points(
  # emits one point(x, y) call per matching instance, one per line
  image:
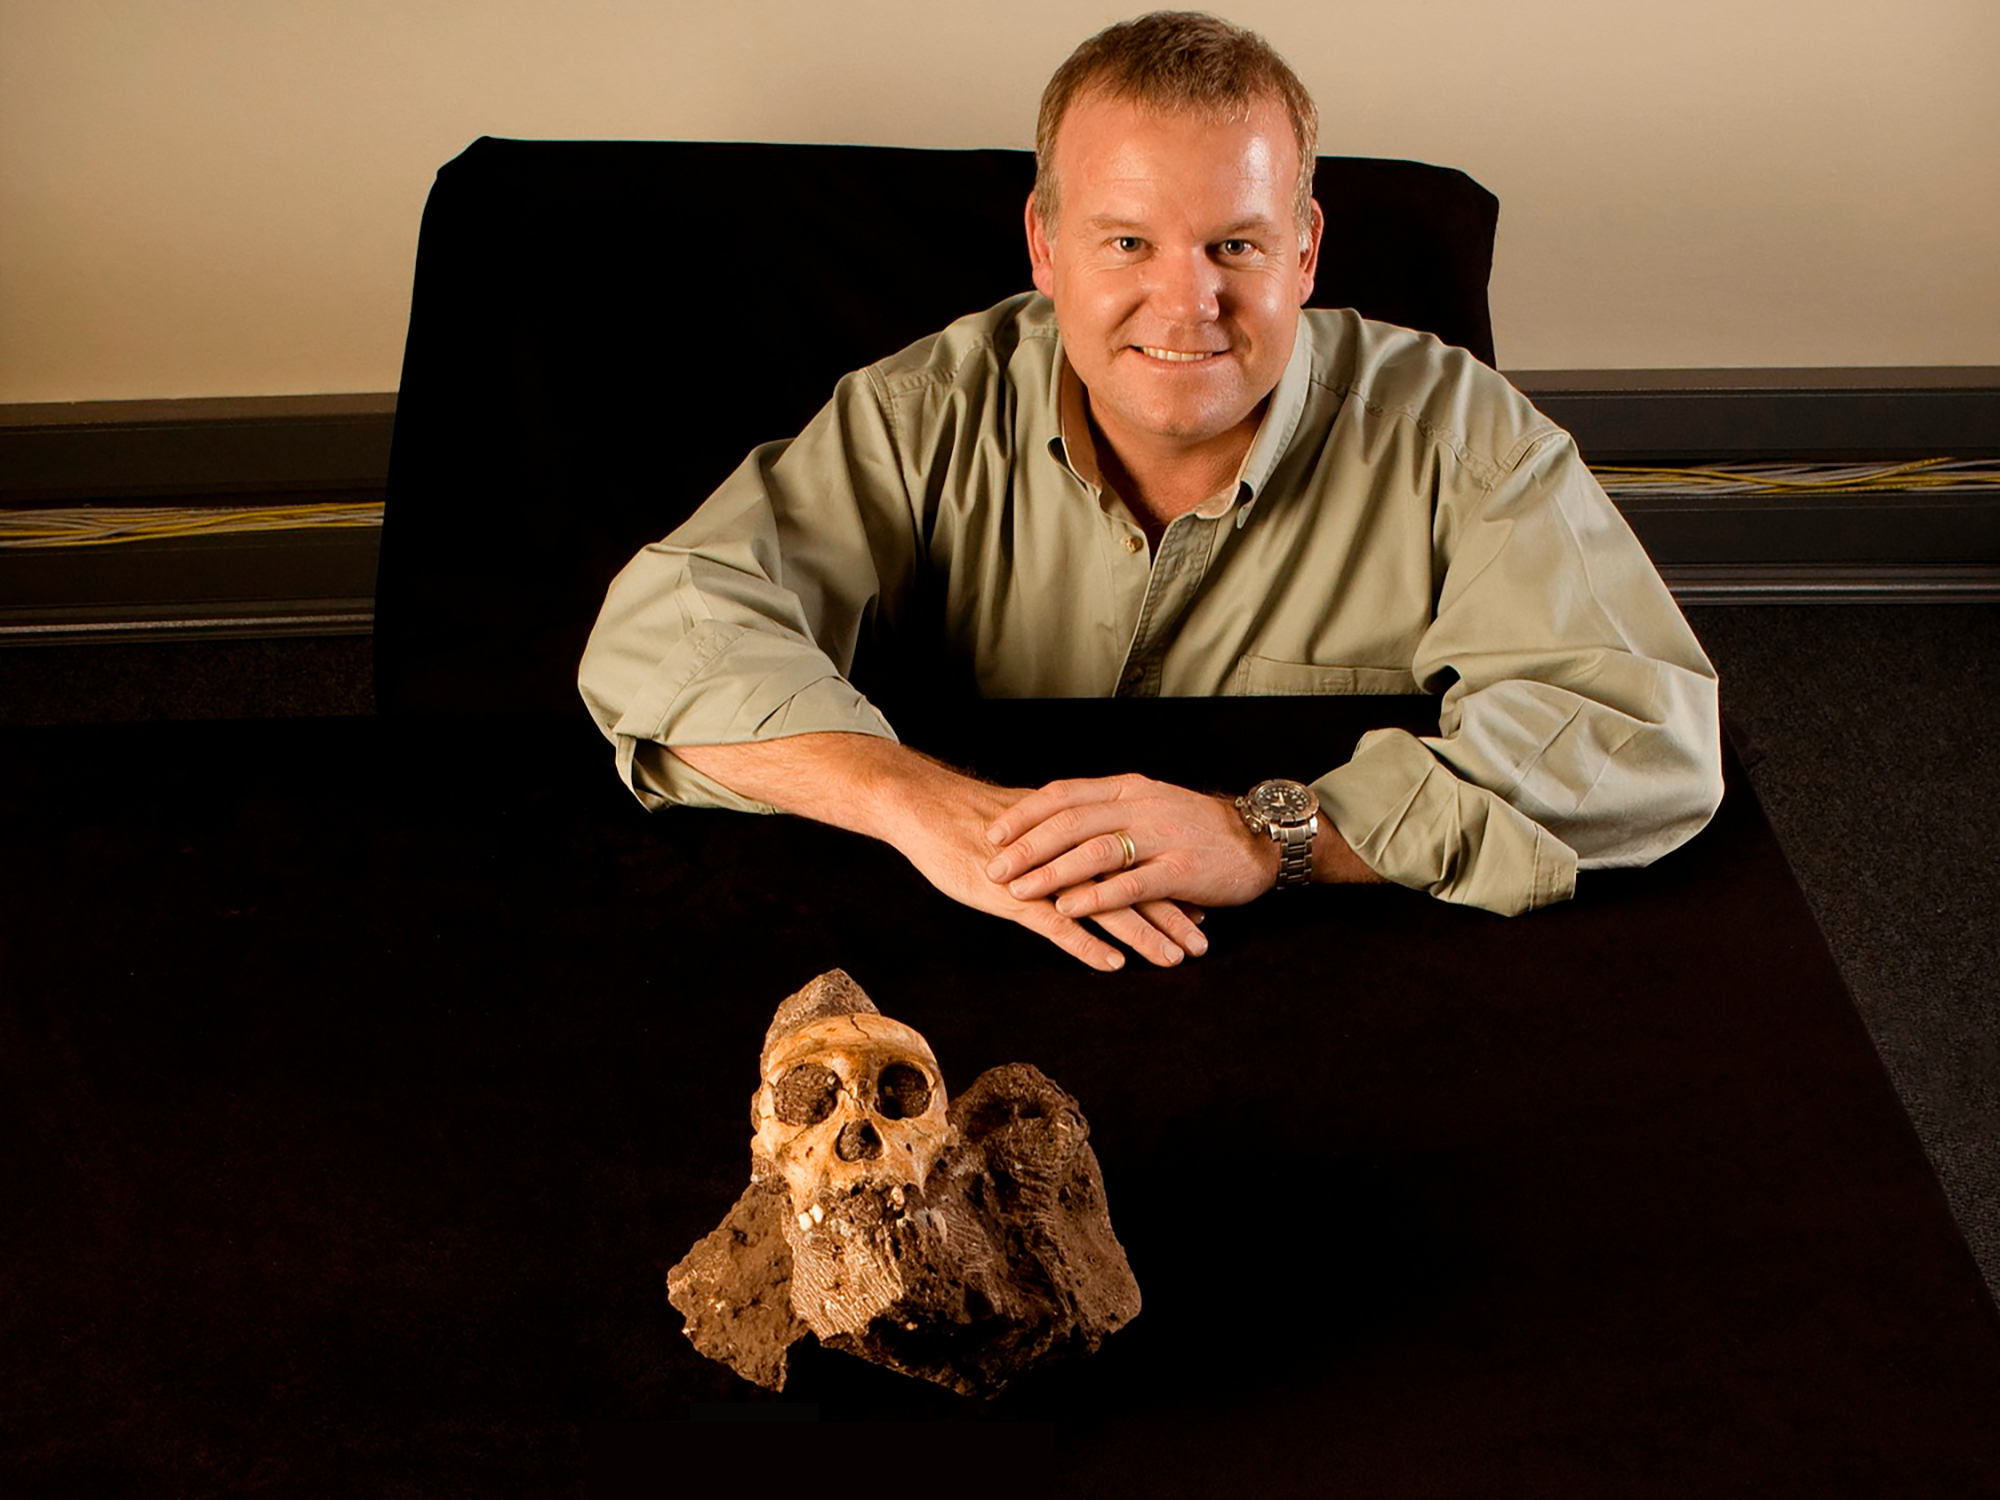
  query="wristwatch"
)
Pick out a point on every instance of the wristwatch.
point(1289, 813)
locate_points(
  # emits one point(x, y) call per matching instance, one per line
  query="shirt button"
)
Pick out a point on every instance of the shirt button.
point(1133, 543)
point(1134, 677)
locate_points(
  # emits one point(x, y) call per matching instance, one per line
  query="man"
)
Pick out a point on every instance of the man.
point(1156, 475)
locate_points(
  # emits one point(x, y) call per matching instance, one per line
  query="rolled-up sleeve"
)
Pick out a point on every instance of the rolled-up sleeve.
point(1579, 724)
point(742, 625)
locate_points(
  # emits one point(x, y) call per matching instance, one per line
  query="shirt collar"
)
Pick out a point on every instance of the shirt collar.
point(1071, 446)
point(1281, 420)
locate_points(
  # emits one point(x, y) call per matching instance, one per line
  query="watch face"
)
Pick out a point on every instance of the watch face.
point(1284, 801)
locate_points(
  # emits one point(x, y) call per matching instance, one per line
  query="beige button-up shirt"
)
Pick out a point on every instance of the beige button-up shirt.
point(1404, 521)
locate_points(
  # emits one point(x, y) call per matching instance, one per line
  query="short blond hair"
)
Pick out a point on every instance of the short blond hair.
point(1175, 61)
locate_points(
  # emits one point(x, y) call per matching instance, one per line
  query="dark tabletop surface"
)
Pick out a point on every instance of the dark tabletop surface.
point(359, 1079)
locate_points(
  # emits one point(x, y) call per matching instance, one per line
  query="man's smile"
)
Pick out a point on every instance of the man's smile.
point(1180, 356)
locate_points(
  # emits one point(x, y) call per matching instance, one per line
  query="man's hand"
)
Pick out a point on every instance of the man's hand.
point(937, 818)
point(1064, 841)
point(947, 844)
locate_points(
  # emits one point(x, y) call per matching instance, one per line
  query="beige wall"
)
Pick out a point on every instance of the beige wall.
point(220, 197)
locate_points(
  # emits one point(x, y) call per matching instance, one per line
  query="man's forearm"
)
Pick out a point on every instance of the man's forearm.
point(1334, 861)
point(860, 782)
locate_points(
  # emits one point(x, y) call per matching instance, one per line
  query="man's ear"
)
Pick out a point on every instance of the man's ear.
point(1040, 255)
point(1309, 256)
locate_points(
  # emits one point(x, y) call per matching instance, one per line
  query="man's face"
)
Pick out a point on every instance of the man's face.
point(1176, 269)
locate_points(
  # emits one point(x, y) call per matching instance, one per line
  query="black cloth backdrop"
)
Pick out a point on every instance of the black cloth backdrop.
point(354, 1107)
point(601, 330)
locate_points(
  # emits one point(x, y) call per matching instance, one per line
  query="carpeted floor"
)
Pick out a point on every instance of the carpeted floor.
point(1868, 730)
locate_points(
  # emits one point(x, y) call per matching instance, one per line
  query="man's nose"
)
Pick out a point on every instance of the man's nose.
point(1186, 288)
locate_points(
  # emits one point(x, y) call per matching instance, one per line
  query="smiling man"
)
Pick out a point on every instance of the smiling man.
point(1156, 475)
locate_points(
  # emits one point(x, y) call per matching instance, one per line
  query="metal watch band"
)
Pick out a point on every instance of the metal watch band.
point(1295, 854)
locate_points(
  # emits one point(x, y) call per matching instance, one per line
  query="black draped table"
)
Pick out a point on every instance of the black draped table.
point(359, 1079)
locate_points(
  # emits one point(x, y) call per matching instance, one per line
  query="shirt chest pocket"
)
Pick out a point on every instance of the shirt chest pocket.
point(1267, 677)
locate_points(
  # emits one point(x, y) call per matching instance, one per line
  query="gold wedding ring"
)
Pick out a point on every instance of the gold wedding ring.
point(1131, 854)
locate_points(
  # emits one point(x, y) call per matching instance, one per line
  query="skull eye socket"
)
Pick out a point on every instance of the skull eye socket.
point(805, 1096)
point(902, 1092)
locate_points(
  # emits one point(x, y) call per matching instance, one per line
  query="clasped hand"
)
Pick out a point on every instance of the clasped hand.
point(1138, 857)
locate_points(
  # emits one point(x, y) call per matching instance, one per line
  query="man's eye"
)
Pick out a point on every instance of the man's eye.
point(1236, 248)
point(1127, 244)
